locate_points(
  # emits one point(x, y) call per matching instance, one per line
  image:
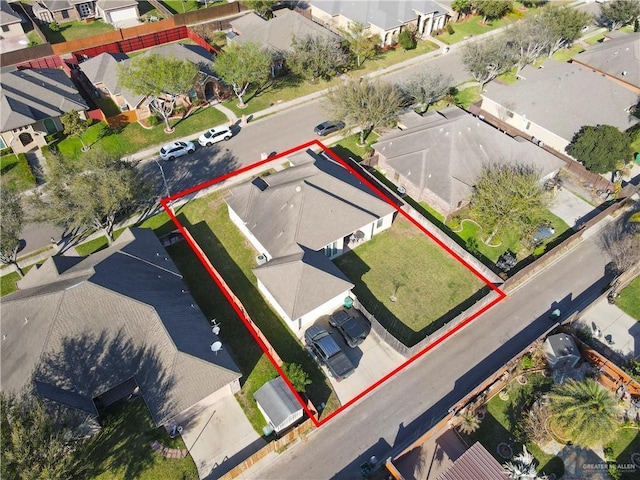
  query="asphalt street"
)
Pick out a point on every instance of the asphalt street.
point(407, 405)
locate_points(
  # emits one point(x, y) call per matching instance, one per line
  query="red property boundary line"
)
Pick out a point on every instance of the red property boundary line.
point(241, 312)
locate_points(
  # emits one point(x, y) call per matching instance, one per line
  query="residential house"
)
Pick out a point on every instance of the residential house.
point(386, 18)
point(561, 351)
point(278, 404)
point(553, 102)
point(102, 71)
point(438, 157)
point(616, 59)
point(299, 219)
point(31, 102)
point(119, 13)
point(85, 332)
point(474, 464)
point(276, 34)
point(10, 22)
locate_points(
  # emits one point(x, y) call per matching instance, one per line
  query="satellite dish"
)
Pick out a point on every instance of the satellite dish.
point(215, 329)
point(216, 346)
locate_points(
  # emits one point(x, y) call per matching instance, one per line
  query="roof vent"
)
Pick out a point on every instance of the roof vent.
point(260, 183)
point(261, 259)
point(624, 73)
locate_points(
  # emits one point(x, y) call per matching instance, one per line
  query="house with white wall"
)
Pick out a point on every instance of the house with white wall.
point(298, 220)
point(386, 18)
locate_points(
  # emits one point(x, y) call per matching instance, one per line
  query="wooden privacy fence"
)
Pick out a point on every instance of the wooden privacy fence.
point(610, 375)
point(232, 298)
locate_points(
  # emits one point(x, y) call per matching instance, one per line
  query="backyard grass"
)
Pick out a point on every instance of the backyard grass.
point(133, 137)
point(405, 279)
point(108, 106)
point(74, 30)
point(629, 299)
point(34, 38)
point(122, 449)
point(16, 172)
point(500, 424)
point(473, 25)
point(627, 443)
point(182, 6)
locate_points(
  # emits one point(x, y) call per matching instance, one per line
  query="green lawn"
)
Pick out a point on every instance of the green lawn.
point(627, 443)
point(122, 449)
point(428, 285)
point(8, 283)
point(629, 299)
point(133, 137)
point(181, 6)
point(595, 38)
point(566, 54)
point(350, 146)
point(473, 25)
point(108, 106)
point(34, 38)
point(74, 30)
point(464, 98)
point(503, 418)
point(509, 77)
point(283, 89)
point(16, 172)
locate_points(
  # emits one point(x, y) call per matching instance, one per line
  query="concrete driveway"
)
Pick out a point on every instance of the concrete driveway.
point(220, 437)
point(571, 208)
point(373, 359)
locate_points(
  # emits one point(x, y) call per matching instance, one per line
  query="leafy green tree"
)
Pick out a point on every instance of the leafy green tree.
point(364, 103)
point(162, 79)
point(461, 7)
point(427, 87)
point(297, 376)
point(618, 13)
point(564, 25)
point(533, 3)
point(362, 44)
point(11, 223)
point(492, 9)
point(585, 411)
point(601, 148)
point(93, 197)
point(407, 39)
point(35, 442)
point(74, 126)
point(261, 7)
point(508, 197)
point(315, 57)
point(487, 59)
point(242, 65)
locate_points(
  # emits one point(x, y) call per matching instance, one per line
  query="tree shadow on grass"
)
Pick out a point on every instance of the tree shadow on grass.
point(245, 349)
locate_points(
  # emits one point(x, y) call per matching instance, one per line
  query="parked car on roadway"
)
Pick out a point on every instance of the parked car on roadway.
point(176, 149)
point(325, 128)
point(325, 349)
point(215, 135)
point(353, 328)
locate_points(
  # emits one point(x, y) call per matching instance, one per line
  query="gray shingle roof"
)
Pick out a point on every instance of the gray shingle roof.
point(108, 5)
point(277, 401)
point(277, 32)
point(311, 280)
point(31, 95)
point(445, 152)
point(385, 14)
point(308, 205)
point(81, 328)
point(562, 97)
point(7, 15)
point(104, 69)
point(194, 53)
point(616, 56)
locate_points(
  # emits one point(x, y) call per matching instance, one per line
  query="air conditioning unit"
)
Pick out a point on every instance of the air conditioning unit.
point(261, 259)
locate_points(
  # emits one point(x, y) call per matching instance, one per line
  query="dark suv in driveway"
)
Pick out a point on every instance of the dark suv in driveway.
point(327, 351)
point(354, 329)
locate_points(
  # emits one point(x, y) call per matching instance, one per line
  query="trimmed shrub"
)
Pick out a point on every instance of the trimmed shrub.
point(153, 120)
point(6, 151)
point(54, 27)
point(450, 29)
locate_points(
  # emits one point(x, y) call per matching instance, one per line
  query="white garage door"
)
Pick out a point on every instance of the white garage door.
point(123, 15)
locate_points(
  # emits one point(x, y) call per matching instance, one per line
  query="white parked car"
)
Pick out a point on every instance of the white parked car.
point(215, 135)
point(176, 149)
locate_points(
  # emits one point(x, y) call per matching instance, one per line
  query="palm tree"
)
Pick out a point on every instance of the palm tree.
point(522, 467)
point(585, 412)
point(469, 423)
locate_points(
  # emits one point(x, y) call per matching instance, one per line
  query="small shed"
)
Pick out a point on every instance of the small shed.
point(278, 404)
point(561, 351)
